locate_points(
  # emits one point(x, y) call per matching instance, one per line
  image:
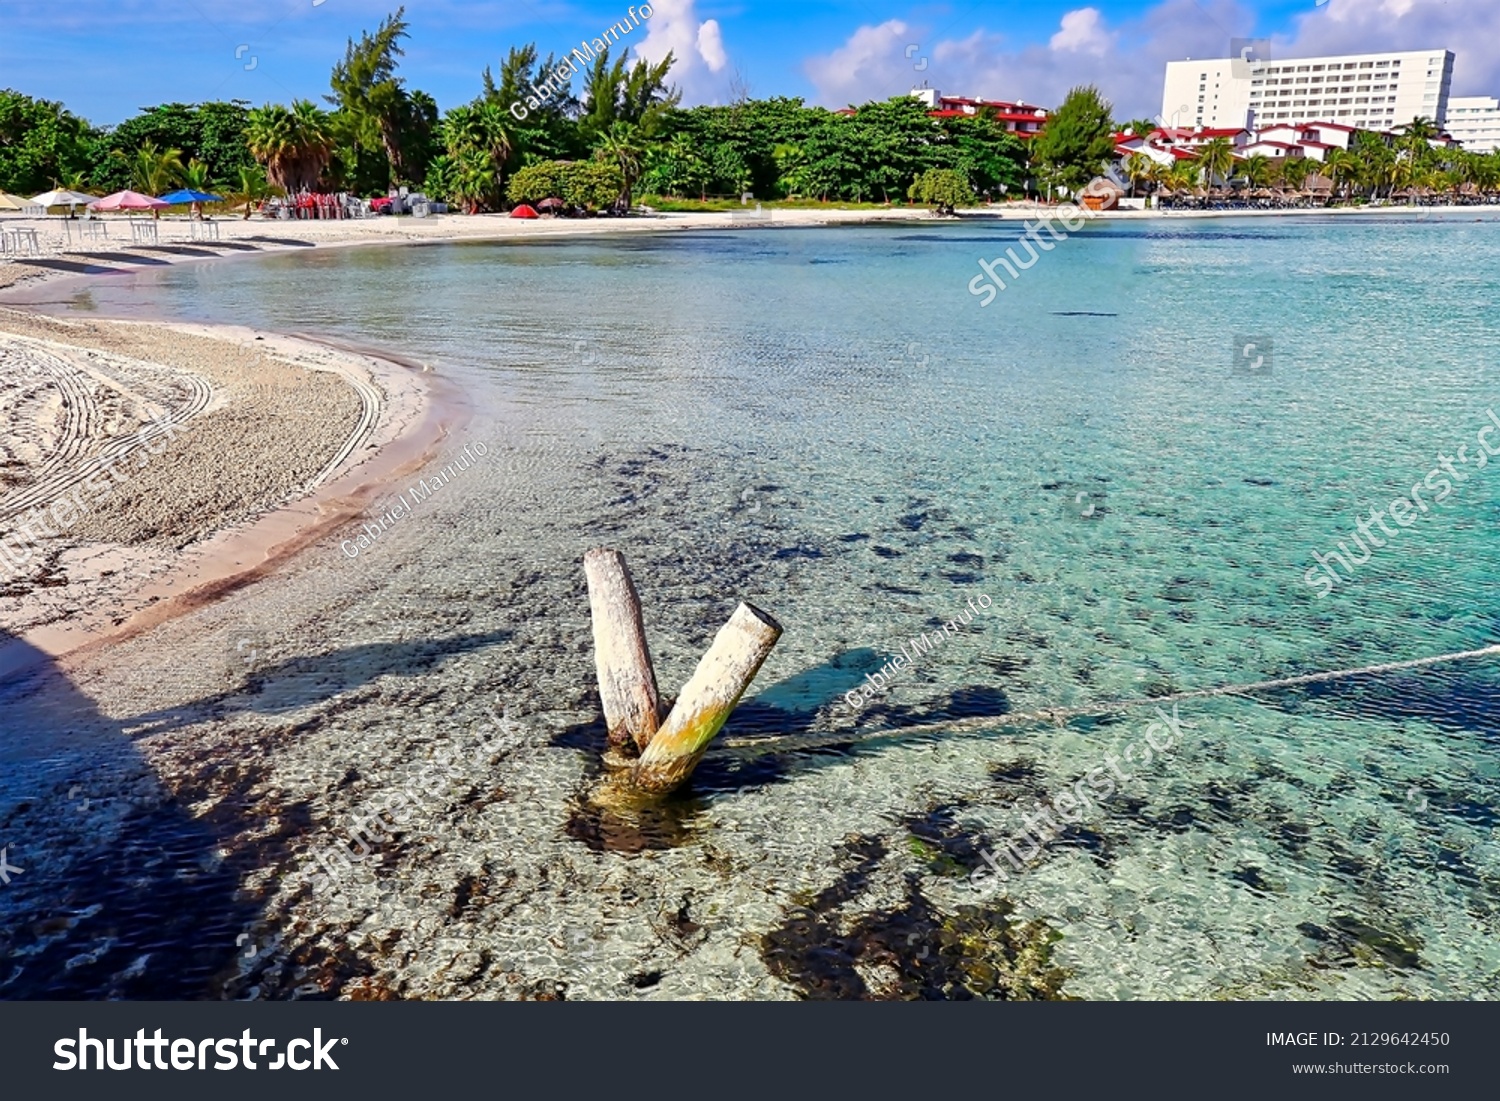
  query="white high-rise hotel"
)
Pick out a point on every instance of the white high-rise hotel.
point(1371, 91)
point(1475, 121)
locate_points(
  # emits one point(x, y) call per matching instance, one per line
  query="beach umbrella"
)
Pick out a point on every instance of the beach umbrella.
point(127, 200)
point(14, 202)
point(61, 198)
point(188, 195)
point(523, 211)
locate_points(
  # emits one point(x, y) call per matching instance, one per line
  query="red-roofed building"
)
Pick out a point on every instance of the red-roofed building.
point(1023, 119)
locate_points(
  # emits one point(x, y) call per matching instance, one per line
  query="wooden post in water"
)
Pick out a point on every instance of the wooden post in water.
point(704, 705)
point(627, 680)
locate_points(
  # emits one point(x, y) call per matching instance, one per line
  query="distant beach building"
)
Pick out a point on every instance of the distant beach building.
point(1475, 121)
point(1023, 119)
point(1367, 91)
point(1166, 145)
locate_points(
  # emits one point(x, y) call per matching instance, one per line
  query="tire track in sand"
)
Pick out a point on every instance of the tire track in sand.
point(71, 463)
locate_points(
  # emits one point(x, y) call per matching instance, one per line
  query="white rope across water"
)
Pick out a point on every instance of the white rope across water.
point(756, 747)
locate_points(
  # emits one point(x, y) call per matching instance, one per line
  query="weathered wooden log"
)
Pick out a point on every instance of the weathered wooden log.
point(704, 705)
point(627, 681)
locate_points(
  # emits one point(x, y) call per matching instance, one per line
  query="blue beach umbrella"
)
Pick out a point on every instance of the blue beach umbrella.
point(188, 195)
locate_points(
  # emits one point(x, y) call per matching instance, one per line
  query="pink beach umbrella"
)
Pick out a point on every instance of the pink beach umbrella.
point(128, 200)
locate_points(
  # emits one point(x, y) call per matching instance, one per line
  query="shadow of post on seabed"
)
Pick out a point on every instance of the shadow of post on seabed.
point(116, 884)
point(113, 890)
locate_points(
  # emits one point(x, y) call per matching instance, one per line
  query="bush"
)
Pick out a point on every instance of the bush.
point(943, 188)
point(587, 185)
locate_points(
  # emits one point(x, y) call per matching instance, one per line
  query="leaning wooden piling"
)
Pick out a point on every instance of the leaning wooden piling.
point(627, 680)
point(704, 705)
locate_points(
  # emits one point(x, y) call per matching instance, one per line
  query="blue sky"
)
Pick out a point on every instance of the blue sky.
point(107, 58)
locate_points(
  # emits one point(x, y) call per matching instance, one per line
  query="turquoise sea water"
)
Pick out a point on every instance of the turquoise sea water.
point(828, 423)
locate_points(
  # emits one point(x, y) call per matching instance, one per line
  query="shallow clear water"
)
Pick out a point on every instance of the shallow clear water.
point(828, 423)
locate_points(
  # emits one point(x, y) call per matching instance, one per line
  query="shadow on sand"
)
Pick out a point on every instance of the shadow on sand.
point(123, 883)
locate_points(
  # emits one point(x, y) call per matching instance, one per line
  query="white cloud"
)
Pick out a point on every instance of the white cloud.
point(711, 45)
point(696, 45)
point(1083, 32)
point(1127, 60)
point(873, 58)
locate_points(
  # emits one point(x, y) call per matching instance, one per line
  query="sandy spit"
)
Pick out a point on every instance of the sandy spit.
point(145, 466)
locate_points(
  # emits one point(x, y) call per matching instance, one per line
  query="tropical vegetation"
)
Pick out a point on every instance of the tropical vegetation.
point(622, 134)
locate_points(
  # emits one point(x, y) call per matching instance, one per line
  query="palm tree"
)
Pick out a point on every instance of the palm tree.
point(195, 175)
point(1418, 132)
point(479, 141)
point(295, 145)
point(251, 188)
point(1257, 169)
point(621, 143)
point(1295, 170)
point(1487, 171)
point(1403, 170)
point(1137, 170)
point(461, 130)
point(791, 168)
point(1215, 160)
point(72, 181)
point(498, 140)
point(1182, 175)
point(475, 178)
point(1341, 166)
point(155, 170)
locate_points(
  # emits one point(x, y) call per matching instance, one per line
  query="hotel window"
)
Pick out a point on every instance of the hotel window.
point(1382, 64)
point(1367, 64)
point(1302, 80)
point(1302, 68)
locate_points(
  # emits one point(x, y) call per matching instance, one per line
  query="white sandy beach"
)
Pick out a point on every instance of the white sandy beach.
point(267, 435)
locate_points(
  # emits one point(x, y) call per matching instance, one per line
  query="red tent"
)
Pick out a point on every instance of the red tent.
point(523, 211)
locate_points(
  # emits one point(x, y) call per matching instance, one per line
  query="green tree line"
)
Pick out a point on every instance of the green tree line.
point(604, 134)
point(529, 135)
